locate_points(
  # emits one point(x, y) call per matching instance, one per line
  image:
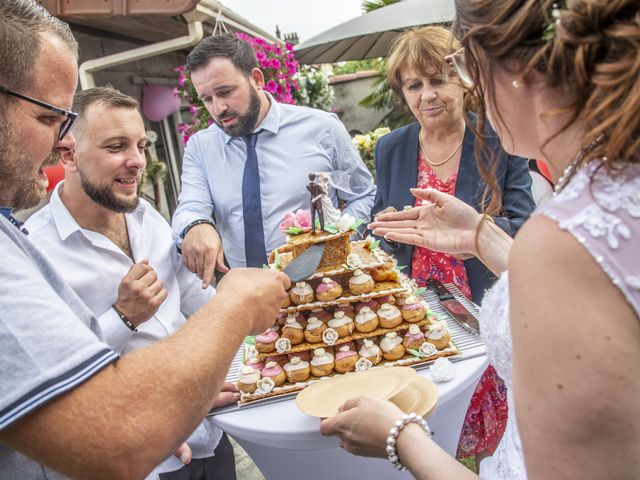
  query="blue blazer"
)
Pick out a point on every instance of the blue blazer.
point(396, 159)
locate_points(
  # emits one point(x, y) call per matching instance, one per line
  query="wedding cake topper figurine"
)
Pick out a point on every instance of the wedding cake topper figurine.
point(316, 191)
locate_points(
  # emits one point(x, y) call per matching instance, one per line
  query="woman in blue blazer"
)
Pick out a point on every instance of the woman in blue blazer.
point(438, 152)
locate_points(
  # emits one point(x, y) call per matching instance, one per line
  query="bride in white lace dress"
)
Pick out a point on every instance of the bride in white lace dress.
point(560, 81)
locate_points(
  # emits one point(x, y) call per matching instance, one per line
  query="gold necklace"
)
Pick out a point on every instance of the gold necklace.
point(426, 157)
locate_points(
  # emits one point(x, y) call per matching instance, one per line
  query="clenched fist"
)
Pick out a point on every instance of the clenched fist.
point(140, 293)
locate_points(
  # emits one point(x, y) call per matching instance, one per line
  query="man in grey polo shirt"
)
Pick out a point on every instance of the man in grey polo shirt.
point(68, 405)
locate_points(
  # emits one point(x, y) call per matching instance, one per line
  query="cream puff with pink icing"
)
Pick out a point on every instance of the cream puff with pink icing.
point(438, 335)
point(301, 293)
point(391, 346)
point(350, 345)
point(322, 363)
point(413, 310)
point(347, 309)
point(321, 314)
point(275, 372)
point(413, 338)
point(328, 290)
point(371, 352)
point(266, 342)
point(248, 379)
point(315, 329)
point(254, 363)
point(360, 282)
point(389, 316)
point(345, 359)
point(371, 303)
point(342, 324)
point(297, 370)
point(366, 320)
point(293, 330)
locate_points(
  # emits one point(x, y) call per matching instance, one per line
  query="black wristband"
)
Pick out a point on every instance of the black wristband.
point(124, 319)
point(195, 223)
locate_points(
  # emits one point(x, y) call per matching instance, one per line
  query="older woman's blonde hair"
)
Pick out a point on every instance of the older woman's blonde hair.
point(418, 50)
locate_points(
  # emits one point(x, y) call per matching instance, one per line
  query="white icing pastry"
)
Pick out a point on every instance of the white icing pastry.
point(314, 323)
point(436, 331)
point(369, 349)
point(442, 370)
point(388, 311)
point(296, 363)
point(390, 341)
point(302, 289)
point(292, 322)
point(365, 315)
point(321, 357)
point(339, 319)
point(360, 278)
point(414, 330)
point(248, 375)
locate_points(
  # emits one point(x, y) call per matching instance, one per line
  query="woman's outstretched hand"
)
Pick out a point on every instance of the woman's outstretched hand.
point(444, 224)
point(363, 425)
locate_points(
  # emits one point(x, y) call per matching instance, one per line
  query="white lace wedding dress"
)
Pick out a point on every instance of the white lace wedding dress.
point(603, 214)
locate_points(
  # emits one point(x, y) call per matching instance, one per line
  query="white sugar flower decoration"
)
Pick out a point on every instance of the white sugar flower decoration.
point(330, 336)
point(283, 345)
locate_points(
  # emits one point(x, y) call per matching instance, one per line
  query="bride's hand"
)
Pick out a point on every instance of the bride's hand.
point(363, 425)
point(444, 224)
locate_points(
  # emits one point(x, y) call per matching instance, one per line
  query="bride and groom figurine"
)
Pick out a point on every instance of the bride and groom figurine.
point(321, 203)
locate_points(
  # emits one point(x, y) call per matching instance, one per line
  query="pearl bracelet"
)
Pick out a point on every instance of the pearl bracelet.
point(395, 431)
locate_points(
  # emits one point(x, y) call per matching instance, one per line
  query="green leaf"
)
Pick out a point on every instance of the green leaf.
point(374, 245)
point(265, 266)
point(277, 259)
point(251, 340)
point(415, 353)
point(356, 224)
point(294, 230)
point(421, 291)
point(401, 267)
point(331, 228)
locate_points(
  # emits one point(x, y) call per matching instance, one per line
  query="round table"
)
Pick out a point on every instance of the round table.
point(286, 444)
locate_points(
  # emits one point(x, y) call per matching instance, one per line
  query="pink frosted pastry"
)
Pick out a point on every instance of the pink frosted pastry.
point(248, 379)
point(366, 320)
point(266, 342)
point(391, 346)
point(413, 338)
point(297, 370)
point(342, 324)
point(361, 282)
point(401, 298)
point(347, 309)
point(438, 335)
point(345, 360)
point(301, 293)
point(328, 290)
point(255, 363)
point(275, 372)
point(372, 304)
point(322, 363)
point(371, 352)
point(350, 345)
point(293, 330)
point(413, 310)
point(279, 359)
point(304, 355)
point(315, 329)
point(389, 316)
point(386, 299)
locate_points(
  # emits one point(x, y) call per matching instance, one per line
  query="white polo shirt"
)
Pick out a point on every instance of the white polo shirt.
point(94, 267)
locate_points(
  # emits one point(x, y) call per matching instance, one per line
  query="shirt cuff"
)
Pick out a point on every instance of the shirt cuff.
point(115, 332)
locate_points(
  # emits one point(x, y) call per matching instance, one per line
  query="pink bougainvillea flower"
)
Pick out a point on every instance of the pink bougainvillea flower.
point(302, 220)
point(288, 222)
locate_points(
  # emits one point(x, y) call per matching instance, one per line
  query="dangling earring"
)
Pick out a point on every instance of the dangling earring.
point(515, 84)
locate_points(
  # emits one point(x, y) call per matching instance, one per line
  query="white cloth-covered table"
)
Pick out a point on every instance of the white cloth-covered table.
point(286, 444)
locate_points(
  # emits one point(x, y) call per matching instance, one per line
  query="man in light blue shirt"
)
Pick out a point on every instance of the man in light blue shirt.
point(292, 142)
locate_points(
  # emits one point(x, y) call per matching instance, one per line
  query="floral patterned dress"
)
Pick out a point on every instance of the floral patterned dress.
point(486, 418)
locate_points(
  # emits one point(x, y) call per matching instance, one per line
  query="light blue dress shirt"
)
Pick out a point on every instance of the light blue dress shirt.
point(294, 142)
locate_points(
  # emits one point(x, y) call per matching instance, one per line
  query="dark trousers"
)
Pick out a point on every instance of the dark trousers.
point(222, 466)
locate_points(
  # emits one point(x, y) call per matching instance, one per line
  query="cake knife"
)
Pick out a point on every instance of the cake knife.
point(305, 264)
point(453, 306)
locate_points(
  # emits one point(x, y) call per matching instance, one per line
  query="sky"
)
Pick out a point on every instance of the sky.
point(306, 17)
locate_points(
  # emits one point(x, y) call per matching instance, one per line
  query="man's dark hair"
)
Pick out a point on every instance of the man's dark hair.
point(22, 22)
point(226, 45)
